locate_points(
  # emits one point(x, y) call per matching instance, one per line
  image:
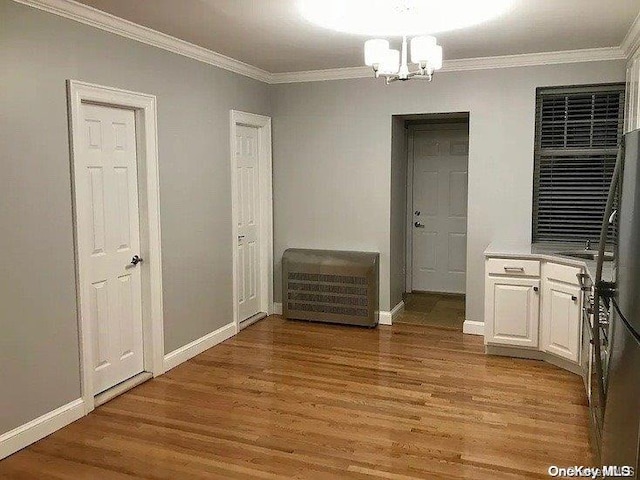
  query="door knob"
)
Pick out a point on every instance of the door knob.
point(574, 298)
point(418, 225)
point(240, 237)
point(135, 260)
point(417, 212)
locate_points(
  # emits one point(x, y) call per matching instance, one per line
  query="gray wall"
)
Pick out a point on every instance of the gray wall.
point(39, 368)
point(332, 156)
point(398, 210)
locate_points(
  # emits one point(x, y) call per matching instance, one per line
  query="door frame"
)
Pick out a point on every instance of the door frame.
point(408, 283)
point(265, 173)
point(145, 111)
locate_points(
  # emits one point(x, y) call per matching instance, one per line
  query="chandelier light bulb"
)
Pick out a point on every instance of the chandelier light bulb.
point(390, 64)
point(421, 48)
point(375, 51)
point(435, 57)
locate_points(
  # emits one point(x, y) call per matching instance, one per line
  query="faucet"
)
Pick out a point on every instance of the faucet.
point(588, 245)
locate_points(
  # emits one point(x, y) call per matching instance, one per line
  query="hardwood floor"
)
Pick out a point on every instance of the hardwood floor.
point(288, 400)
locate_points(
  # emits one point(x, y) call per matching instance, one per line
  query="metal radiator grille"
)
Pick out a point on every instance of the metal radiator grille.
point(331, 286)
point(315, 277)
point(328, 293)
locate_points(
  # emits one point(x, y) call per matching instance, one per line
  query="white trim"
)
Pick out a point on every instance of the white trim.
point(408, 254)
point(535, 59)
point(251, 320)
point(321, 75)
point(265, 167)
point(110, 23)
point(277, 309)
point(631, 41)
point(531, 353)
point(471, 327)
point(198, 346)
point(121, 388)
point(148, 177)
point(37, 429)
point(465, 64)
point(387, 318)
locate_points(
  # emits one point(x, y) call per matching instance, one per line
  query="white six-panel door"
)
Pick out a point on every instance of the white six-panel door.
point(248, 215)
point(439, 227)
point(108, 229)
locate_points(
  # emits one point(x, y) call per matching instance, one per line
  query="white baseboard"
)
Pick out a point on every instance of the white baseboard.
point(198, 346)
point(37, 429)
point(472, 327)
point(121, 388)
point(386, 318)
point(277, 309)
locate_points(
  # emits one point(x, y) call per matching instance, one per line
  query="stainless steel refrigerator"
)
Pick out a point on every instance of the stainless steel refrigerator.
point(621, 425)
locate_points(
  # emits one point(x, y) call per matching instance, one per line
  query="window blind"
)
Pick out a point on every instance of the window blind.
point(578, 130)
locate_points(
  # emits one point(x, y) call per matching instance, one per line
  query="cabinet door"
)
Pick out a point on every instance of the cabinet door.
point(512, 311)
point(561, 317)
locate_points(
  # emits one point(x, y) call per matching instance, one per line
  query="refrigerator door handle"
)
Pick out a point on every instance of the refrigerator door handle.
point(607, 214)
point(598, 367)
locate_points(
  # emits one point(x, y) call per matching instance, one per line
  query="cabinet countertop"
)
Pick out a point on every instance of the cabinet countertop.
point(547, 251)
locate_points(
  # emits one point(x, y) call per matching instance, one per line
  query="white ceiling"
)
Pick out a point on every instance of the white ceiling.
point(271, 34)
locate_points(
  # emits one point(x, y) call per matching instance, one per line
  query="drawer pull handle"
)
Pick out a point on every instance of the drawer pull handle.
point(535, 289)
point(574, 298)
point(514, 269)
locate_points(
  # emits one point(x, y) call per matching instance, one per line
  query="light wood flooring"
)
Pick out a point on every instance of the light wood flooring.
point(441, 310)
point(285, 400)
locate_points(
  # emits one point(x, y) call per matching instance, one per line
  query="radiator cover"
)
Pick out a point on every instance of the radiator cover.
point(331, 286)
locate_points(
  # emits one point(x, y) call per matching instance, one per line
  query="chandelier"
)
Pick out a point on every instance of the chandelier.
point(418, 19)
point(426, 55)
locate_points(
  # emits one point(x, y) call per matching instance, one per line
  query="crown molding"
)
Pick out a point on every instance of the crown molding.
point(535, 59)
point(96, 18)
point(631, 41)
point(110, 23)
point(322, 75)
point(466, 64)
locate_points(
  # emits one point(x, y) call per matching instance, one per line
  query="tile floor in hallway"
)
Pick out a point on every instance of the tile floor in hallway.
point(433, 309)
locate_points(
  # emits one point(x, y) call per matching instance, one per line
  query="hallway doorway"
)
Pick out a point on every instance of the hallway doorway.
point(439, 310)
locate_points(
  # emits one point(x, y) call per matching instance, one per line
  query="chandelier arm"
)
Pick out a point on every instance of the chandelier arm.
point(404, 67)
point(424, 77)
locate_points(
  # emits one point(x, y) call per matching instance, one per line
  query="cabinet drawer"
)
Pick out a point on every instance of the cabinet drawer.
point(562, 273)
point(513, 267)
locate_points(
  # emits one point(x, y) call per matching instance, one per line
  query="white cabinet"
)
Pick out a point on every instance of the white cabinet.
point(561, 320)
point(512, 311)
point(533, 306)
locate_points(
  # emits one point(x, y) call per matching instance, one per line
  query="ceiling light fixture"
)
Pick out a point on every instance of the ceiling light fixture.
point(392, 18)
point(425, 53)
